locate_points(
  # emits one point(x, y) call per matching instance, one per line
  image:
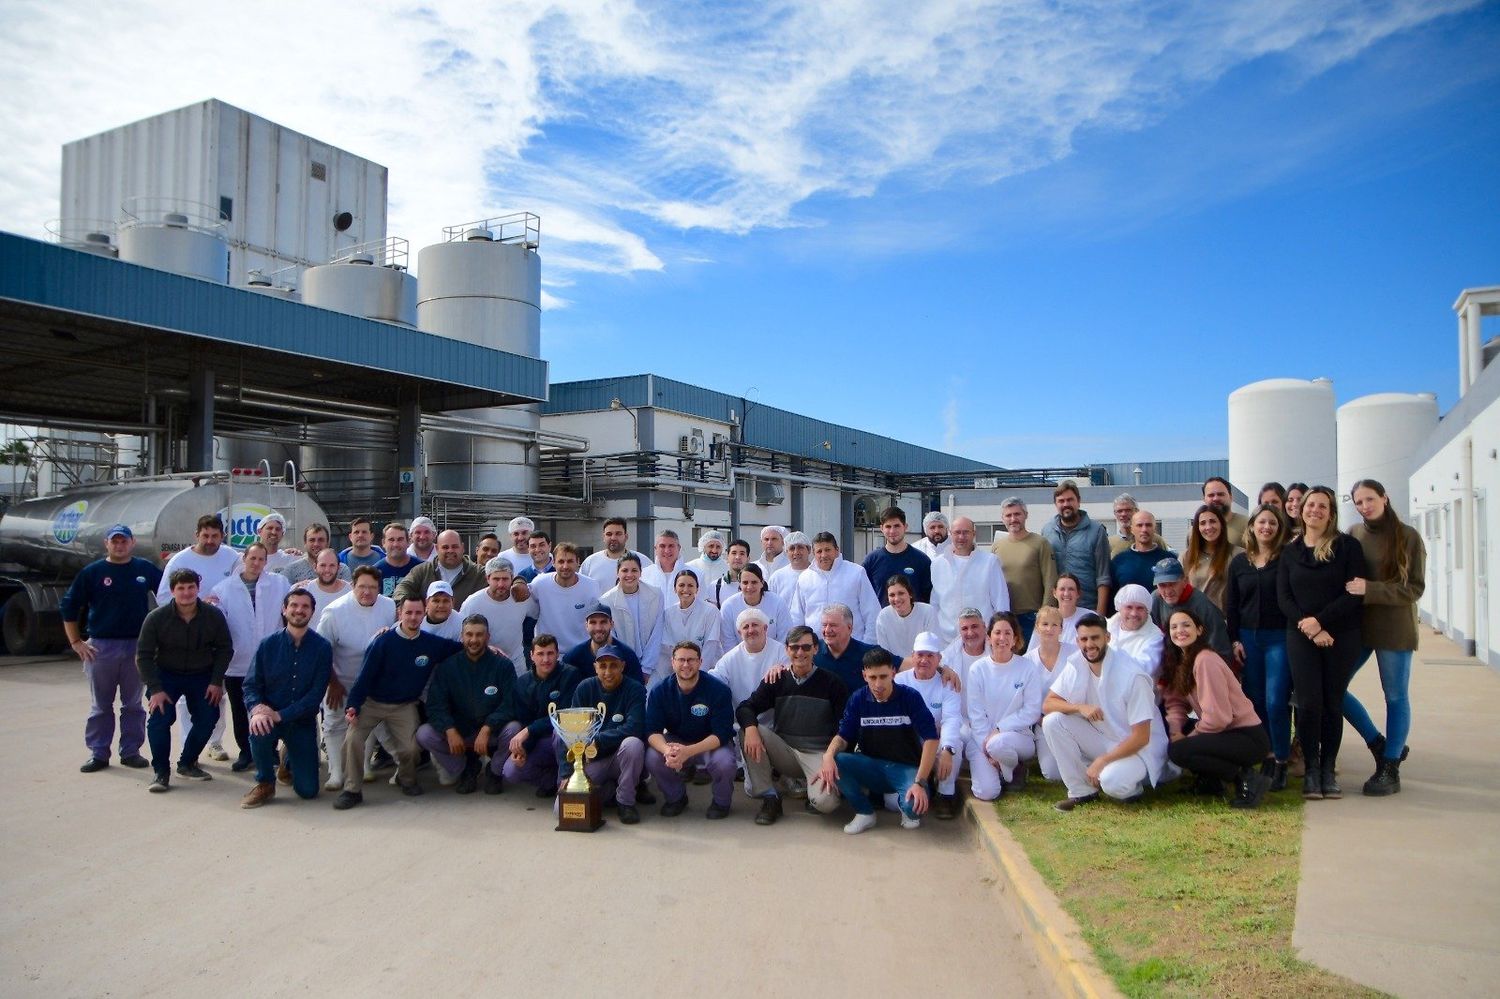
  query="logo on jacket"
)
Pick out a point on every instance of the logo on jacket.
point(578, 606)
point(909, 571)
point(699, 710)
point(109, 581)
point(139, 579)
point(554, 695)
point(422, 661)
point(617, 718)
point(491, 690)
point(1018, 684)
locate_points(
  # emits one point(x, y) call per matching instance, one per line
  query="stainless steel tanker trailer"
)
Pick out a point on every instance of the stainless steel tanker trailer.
point(45, 542)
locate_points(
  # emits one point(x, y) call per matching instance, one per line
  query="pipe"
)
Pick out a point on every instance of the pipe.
point(478, 428)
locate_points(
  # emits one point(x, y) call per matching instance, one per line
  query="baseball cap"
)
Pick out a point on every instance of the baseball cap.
point(598, 609)
point(610, 652)
point(119, 531)
point(1168, 570)
point(928, 642)
point(438, 586)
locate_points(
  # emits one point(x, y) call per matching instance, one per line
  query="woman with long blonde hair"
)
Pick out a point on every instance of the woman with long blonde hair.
point(1322, 634)
point(1397, 563)
point(1209, 550)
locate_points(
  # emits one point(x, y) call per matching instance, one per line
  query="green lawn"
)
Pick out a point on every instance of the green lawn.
point(1178, 896)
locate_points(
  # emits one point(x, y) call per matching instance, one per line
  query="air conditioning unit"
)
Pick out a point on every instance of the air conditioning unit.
point(866, 513)
point(769, 493)
point(684, 444)
point(696, 441)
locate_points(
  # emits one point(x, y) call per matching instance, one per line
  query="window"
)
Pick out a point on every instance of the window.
point(319, 171)
point(226, 208)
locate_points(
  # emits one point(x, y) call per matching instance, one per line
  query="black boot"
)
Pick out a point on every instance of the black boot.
point(1377, 750)
point(1312, 780)
point(1387, 779)
point(1331, 787)
point(1250, 789)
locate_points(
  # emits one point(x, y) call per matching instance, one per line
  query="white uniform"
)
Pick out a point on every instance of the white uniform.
point(1127, 696)
point(769, 568)
point(783, 582)
point(663, 579)
point(743, 670)
point(932, 551)
point(1005, 703)
point(1070, 625)
point(518, 560)
point(770, 605)
point(960, 581)
point(451, 627)
point(947, 714)
point(603, 568)
point(637, 619)
point(562, 610)
point(278, 560)
point(845, 583)
point(699, 622)
point(708, 575)
point(506, 618)
point(211, 569)
point(1044, 758)
point(1144, 645)
point(897, 634)
point(250, 622)
point(349, 628)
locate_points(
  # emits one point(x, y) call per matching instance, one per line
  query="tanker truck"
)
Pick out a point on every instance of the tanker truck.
point(44, 542)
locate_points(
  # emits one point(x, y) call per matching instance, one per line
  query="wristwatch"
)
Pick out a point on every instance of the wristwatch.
point(949, 750)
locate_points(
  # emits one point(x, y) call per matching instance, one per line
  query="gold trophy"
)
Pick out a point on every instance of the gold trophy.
point(578, 804)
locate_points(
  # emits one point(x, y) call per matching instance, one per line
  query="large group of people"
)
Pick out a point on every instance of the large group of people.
point(1097, 655)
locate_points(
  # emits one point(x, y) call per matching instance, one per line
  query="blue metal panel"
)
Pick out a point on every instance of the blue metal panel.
point(1164, 473)
point(61, 278)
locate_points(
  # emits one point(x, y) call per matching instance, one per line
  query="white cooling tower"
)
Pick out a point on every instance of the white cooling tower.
point(1378, 435)
point(1282, 430)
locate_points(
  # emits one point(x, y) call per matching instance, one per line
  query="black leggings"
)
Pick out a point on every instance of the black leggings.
point(1321, 677)
point(1221, 754)
point(234, 693)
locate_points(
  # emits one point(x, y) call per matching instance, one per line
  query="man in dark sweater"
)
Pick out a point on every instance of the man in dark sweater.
point(183, 650)
point(469, 703)
point(840, 653)
point(887, 743)
point(1174, 592)
point(621, 740)
point(529, 741)
point(1133, 563)
point(110, 599)
point(808, 703)
point(898, 558)
point(286, 682)
point(398, 664)
point(690, 723)
point(601, 625)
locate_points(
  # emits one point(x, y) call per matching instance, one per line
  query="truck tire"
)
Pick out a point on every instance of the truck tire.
point(22, 627)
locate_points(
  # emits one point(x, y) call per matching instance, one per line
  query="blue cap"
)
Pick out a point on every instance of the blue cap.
point(1168, 570)
point(600, 608)
point(610, 651)
point(119, 530)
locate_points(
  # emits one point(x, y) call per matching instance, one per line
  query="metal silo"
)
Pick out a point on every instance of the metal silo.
point(1378, 435)
point(1282, 430)
point(174, 235)
point(370, 280)
point(483, 285)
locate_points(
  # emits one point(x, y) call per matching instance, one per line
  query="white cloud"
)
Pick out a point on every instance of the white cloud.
point(612, 119)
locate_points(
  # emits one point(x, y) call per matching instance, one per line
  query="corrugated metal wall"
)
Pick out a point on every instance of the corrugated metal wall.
point(1164, 473)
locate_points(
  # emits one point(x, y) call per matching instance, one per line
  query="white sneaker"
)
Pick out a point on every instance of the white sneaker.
point(444, 777)
point(392, 781)
point(369, 777)
point(861, 823)
point(216, 752)
point(333, 783)
point(910, 822)
point(892, 804)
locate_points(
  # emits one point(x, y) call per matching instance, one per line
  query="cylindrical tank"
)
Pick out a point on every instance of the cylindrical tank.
point(1378, 434)
point(353, 480)
point(488, 292)
point(1282, 430)
point(359, 288)
point(263, 285)
point(64, 532)
point(181, 237)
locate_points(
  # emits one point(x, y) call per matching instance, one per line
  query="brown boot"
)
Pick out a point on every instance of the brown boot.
point(258, 795)
point(284, 773)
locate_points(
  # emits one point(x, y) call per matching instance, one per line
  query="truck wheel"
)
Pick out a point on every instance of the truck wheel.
point(21, 626)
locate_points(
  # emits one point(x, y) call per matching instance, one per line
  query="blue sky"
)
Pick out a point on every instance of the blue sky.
point(1026, 232)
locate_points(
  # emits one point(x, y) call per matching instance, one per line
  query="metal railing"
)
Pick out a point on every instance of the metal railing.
point(174, 213)
point(392, 251)
point(521, 227)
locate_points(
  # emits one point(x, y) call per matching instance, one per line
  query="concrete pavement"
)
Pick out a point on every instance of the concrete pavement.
point(111, 890)
point(1403, 893)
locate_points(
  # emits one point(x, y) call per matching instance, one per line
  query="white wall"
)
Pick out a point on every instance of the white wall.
point(1455, 504)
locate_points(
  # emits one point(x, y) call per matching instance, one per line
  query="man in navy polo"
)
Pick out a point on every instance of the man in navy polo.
point(690, 723)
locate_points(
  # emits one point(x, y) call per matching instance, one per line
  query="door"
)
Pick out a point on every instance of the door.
point(1481, 582)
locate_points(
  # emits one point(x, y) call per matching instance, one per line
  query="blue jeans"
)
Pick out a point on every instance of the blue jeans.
point(1028, 625)
point(301, 738)
point(1268, 683)
point(1395, 678)
point(205, 716)
point(861, 776)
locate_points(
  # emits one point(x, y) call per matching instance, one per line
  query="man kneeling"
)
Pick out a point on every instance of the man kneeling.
point(887, 744)
point(283, 689)
point(469, 702)
point(690, 723)
point(1101, 722)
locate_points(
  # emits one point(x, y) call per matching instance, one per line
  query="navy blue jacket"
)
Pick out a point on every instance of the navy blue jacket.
point(114, 597)
point(532, 694)
point(624, 712)
point(581, 658)
point(467, 695)
point(396, 668)
point(708, 709)
point(288, 677)
point(849, 667)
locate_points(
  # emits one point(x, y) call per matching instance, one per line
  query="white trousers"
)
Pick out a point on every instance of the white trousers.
point(1076, 743)
point(995, 762)
point(1044, 758)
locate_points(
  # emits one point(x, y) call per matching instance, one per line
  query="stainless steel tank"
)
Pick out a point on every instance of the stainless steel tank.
point(358, 287)
point(177, 236)
point(64, 532)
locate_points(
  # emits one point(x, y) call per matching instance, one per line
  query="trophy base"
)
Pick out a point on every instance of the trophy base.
point(579, 811)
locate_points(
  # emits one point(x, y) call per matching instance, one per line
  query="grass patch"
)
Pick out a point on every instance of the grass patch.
point(1177, 895)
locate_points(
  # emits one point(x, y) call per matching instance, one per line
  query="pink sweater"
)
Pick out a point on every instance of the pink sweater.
point(1217, 699)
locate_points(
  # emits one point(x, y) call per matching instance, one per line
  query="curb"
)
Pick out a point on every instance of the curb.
point(1062, 953)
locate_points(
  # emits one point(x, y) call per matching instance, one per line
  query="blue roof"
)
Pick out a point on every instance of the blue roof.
point(761, 425)
point(86, 284)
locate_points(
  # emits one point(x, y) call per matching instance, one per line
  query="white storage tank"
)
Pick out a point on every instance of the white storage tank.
point(1378, 434)
point(169, 234)
point(96, 236)
point(263, 284)
point(483, 285)
point(1282, 430)
point(369, 281)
